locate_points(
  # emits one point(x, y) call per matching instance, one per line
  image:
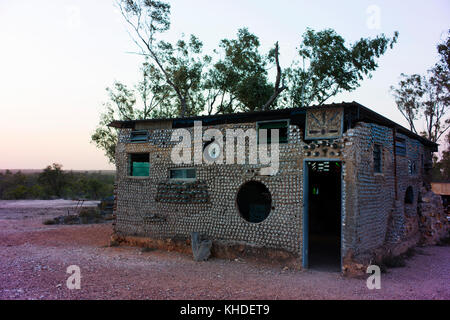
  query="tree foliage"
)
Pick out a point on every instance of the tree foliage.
point(426, 97)
point(327, 66)
point(53, 179)
point(150, 98)
point(238, 81)
point(441, 167)
point(181, 65)
point(179, 80)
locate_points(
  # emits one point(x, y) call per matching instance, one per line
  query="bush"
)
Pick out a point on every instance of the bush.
point(70, 219)
point(444, 242)
point(50, 222)
point(37, 192)
point(394, 261)
point(391, 261)
point(16, 193)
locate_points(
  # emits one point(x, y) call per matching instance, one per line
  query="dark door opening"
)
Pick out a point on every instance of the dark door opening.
point(324, 215)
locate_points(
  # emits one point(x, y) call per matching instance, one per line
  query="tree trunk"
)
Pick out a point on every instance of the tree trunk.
point(277, 89)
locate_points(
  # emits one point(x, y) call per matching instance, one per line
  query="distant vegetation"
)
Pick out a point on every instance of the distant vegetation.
point(55, 183)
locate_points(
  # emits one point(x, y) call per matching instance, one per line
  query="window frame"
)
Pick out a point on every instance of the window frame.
point(409, 196)
point(182, 169)
point(139, 133)
point(380, 171)
point(412, 167)
point(288, 123)
point(130, 165)
point(400, 147)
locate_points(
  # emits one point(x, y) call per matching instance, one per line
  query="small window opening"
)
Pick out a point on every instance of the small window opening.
point(412, 167)
point(139, 165)
point(281, 126)
point(400, 147)
point(139, 136)
point(183, 174)
point(377, 158)
point(409, 196)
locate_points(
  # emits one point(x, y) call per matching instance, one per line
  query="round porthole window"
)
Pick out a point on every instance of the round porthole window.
point(254, 202)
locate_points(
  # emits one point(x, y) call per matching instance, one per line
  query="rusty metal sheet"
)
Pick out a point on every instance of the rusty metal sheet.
point(442, 189)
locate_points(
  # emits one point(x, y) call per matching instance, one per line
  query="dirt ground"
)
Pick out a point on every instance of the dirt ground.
point(34, 260)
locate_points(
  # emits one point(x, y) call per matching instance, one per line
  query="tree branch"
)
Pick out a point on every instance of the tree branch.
point(278, 90)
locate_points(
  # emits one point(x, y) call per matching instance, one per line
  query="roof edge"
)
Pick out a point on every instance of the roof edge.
point(376, 117)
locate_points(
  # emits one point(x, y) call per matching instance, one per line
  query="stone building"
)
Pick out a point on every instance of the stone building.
point(347, 189)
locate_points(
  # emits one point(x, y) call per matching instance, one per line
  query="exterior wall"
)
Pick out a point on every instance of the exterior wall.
point(407, 214)
point(371, 215)
point(219, 219)
point(375, 191)
point(381, 218)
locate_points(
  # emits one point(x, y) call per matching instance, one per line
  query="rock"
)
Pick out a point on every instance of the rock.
point(201, 249)
point(433, 223)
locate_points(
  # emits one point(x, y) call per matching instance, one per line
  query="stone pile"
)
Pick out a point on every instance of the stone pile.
point(432, 221)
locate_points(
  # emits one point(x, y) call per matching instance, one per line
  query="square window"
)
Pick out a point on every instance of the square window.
point(139, 165)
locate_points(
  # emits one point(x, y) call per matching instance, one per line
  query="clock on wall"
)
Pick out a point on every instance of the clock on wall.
point(212, 152)
point(324, 123)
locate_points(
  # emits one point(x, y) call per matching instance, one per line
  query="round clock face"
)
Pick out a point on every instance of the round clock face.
point(212, 151)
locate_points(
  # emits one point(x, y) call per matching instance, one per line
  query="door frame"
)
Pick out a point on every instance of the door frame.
point(305, 251)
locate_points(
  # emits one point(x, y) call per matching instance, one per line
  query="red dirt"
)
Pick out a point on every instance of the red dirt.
point(34, 259)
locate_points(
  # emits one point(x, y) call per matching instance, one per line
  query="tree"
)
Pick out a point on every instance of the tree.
point(441, 167)
point(53, 179)
point(238, 81)
point(17, 192)
point(179, 80)
point(408, 97)
point(327, 66)
point(427, 97)
point(181, 64)
point(13, 186)
point(151, 98)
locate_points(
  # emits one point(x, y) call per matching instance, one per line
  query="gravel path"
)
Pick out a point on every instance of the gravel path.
point(34, 259)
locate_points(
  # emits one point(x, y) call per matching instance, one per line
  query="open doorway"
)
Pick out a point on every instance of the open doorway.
point(323, 210)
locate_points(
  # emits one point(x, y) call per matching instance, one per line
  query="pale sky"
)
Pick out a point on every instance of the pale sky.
point(58, 56)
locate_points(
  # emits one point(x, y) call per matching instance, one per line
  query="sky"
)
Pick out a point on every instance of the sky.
point(57, 57)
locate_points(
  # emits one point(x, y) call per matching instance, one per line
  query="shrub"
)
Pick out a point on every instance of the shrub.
point(49, 222)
